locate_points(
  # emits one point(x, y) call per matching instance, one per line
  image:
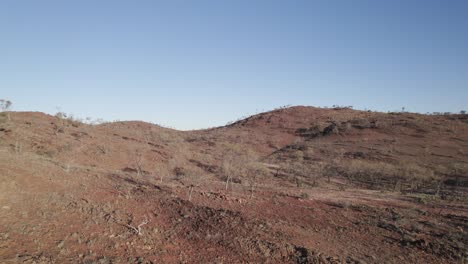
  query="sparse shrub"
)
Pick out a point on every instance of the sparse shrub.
point(48, 153)
point(59, 126)
point(237, 163)
point(341, 107)
point(341, 204)
point(61, 115)
point(5, 106)
point(296, 155)
point(382, 175)
point(425, 199)
point(233, 168)
point(303, 174)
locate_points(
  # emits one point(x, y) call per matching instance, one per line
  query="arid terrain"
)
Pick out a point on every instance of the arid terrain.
point(293, 185)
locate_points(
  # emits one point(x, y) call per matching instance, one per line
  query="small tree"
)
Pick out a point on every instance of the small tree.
point(255, 170)
point(234, 165)
point(5, 106)
point(138, 162)
point(229, 170)
point(62, 122)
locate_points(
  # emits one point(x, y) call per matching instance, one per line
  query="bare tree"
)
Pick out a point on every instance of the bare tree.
point(233, 165)
point(255, 171)
point(138, 162)
point(228, 169)
point(239, 162)
point(62, 122)
point(156, 169)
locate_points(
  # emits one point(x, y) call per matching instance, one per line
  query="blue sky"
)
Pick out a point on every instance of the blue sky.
point(196, 64)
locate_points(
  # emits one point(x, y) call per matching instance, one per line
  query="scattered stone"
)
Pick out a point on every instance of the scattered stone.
point(61, 244)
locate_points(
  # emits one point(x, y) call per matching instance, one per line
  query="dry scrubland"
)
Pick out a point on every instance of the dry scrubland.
point(294, 185)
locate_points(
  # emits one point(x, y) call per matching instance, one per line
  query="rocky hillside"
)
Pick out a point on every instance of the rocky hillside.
point(293, 185)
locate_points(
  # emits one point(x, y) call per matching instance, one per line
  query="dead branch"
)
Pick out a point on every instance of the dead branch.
point(102, 149)
point(137, 229)
point(190, 192)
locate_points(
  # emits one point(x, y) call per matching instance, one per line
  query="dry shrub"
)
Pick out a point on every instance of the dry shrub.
point(304, 173)
point(241, 165)
point(453, 169)
point(296, 155)
point(375, 174)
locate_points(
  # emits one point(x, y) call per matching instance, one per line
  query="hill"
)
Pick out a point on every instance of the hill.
point(293, 185)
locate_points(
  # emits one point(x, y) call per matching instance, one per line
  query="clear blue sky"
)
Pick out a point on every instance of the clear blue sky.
point(195, 64)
